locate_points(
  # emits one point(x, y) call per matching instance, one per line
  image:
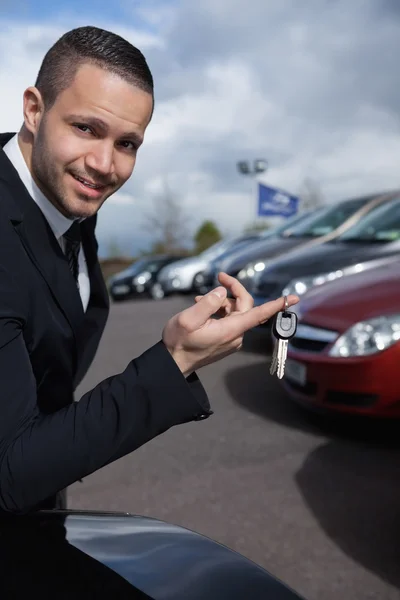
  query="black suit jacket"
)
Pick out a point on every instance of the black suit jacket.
point(47, 343)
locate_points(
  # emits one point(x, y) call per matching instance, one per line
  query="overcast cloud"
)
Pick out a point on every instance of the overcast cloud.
point(310, 86)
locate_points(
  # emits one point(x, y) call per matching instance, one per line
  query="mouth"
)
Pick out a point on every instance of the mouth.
point(88, 188)
point(89, 184)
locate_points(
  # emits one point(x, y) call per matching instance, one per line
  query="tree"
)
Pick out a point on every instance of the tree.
point(168, 223)
point(206, 235)
point(161, 248)
point(311, 195)
point(260, 225)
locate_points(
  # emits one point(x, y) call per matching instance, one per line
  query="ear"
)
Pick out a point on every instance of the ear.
point(33, 109)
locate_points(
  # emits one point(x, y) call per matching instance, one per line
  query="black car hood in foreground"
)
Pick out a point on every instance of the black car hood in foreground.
point(164, 561)
point(325, 258)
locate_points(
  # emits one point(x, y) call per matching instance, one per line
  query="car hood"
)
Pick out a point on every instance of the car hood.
point(327, 257)
point(267, 249)
point(165, 561)
point(342, 303)
point(193, 262)
point(126, 273)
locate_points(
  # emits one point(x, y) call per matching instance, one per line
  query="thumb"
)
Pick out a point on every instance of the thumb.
point(207, 305)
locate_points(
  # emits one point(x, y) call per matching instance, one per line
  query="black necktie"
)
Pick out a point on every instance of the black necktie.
point(72, 246)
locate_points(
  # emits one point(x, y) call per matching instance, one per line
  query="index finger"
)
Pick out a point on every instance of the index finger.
point(240, 323)
point(244, 300)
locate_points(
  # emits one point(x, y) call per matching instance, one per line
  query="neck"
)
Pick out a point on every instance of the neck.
point(25, 142)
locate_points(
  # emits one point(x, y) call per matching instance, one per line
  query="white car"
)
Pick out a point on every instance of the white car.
point(180, 276)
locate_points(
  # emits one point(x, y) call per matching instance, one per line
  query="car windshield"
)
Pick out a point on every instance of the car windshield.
point(136, 266)
point(288, 224)
point(380, 225)
point(215, 249)
point(154, 265)
point(226, 245)
point(144, 264)
point(329, 219)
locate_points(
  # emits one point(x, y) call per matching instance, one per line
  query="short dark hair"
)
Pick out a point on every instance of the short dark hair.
point(98, 47)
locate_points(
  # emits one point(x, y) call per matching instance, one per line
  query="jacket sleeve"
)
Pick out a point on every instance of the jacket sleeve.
point(41, 454)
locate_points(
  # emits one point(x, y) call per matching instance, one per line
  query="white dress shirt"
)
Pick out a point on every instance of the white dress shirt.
point(57, 221)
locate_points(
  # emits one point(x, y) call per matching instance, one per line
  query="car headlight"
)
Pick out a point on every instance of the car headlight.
point(368, 337)
point(252, 269)
point(302, 285)
point(142, 278)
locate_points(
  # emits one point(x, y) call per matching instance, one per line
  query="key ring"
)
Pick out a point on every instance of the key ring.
point(286, 304)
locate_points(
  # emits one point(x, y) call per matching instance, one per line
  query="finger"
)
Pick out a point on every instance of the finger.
point(196, 316)
point(244, 300)
point(229, 305)
point(238, 324)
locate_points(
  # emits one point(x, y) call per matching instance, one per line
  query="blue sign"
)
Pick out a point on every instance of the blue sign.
point(273, 202)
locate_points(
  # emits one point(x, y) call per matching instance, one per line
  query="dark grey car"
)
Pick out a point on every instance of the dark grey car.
point(139, 278)
point(373, 242)
point(313, 231)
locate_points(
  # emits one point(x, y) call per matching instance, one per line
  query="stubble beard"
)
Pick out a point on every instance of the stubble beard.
point(49, 179)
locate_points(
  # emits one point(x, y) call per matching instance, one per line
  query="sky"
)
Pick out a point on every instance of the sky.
point(311, 87)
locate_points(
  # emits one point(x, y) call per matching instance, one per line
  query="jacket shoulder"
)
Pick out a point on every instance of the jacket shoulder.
point(9, 210)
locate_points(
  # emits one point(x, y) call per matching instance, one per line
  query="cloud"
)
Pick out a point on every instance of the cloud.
point(311, 87)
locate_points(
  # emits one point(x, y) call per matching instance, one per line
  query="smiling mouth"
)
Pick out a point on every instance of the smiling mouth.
point(89, 184)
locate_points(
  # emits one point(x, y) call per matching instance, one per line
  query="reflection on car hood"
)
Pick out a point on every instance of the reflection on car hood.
point(342, 303)
point(189, 265)
point(267, 249)
point(169, 562)
point(126, 273)
point(327, 257)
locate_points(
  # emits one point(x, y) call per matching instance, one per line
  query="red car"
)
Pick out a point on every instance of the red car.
point(345, 356)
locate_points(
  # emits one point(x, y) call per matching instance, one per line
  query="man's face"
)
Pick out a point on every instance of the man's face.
point(85, 145)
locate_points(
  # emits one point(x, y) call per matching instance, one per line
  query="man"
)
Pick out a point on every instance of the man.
point(83, 123)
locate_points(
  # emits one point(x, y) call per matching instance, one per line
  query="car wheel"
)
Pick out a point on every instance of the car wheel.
point(157, 291)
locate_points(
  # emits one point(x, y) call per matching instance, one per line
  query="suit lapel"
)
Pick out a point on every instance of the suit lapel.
point(42, 247)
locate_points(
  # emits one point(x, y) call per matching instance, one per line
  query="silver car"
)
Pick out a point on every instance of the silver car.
point(180, 276)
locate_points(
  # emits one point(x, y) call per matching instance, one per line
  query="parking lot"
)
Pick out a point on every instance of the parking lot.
point(314, 501)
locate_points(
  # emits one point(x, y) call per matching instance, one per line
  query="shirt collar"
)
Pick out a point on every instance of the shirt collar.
point(57, 221)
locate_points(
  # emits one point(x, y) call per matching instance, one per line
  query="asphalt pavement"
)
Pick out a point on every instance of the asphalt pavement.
point(314, 500)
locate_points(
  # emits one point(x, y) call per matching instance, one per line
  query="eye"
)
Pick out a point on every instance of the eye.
point(128, 145)
point(83, 128)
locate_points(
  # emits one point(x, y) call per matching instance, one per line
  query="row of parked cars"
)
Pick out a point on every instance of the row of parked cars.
point(343, 262)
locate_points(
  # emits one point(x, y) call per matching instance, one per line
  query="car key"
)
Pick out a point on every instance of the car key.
point(277, 346)
point(284, 328)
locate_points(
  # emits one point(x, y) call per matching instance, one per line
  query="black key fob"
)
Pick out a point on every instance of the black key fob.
point(285, 325)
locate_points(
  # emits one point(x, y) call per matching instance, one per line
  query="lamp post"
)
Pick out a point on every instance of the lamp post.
point(259, 165)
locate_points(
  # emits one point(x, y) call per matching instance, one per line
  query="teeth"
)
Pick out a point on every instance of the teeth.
point(87, 183)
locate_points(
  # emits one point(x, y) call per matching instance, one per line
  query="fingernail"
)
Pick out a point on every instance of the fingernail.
point(218, 294)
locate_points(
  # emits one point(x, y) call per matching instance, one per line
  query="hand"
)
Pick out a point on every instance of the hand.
point(195, 339)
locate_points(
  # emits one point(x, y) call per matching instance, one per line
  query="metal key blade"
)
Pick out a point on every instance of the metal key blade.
point(282, 354)
point(274, 362)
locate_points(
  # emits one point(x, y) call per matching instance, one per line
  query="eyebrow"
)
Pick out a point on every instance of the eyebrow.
point(102, 125)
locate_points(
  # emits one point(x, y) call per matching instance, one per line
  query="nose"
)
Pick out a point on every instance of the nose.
point(101, 158)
